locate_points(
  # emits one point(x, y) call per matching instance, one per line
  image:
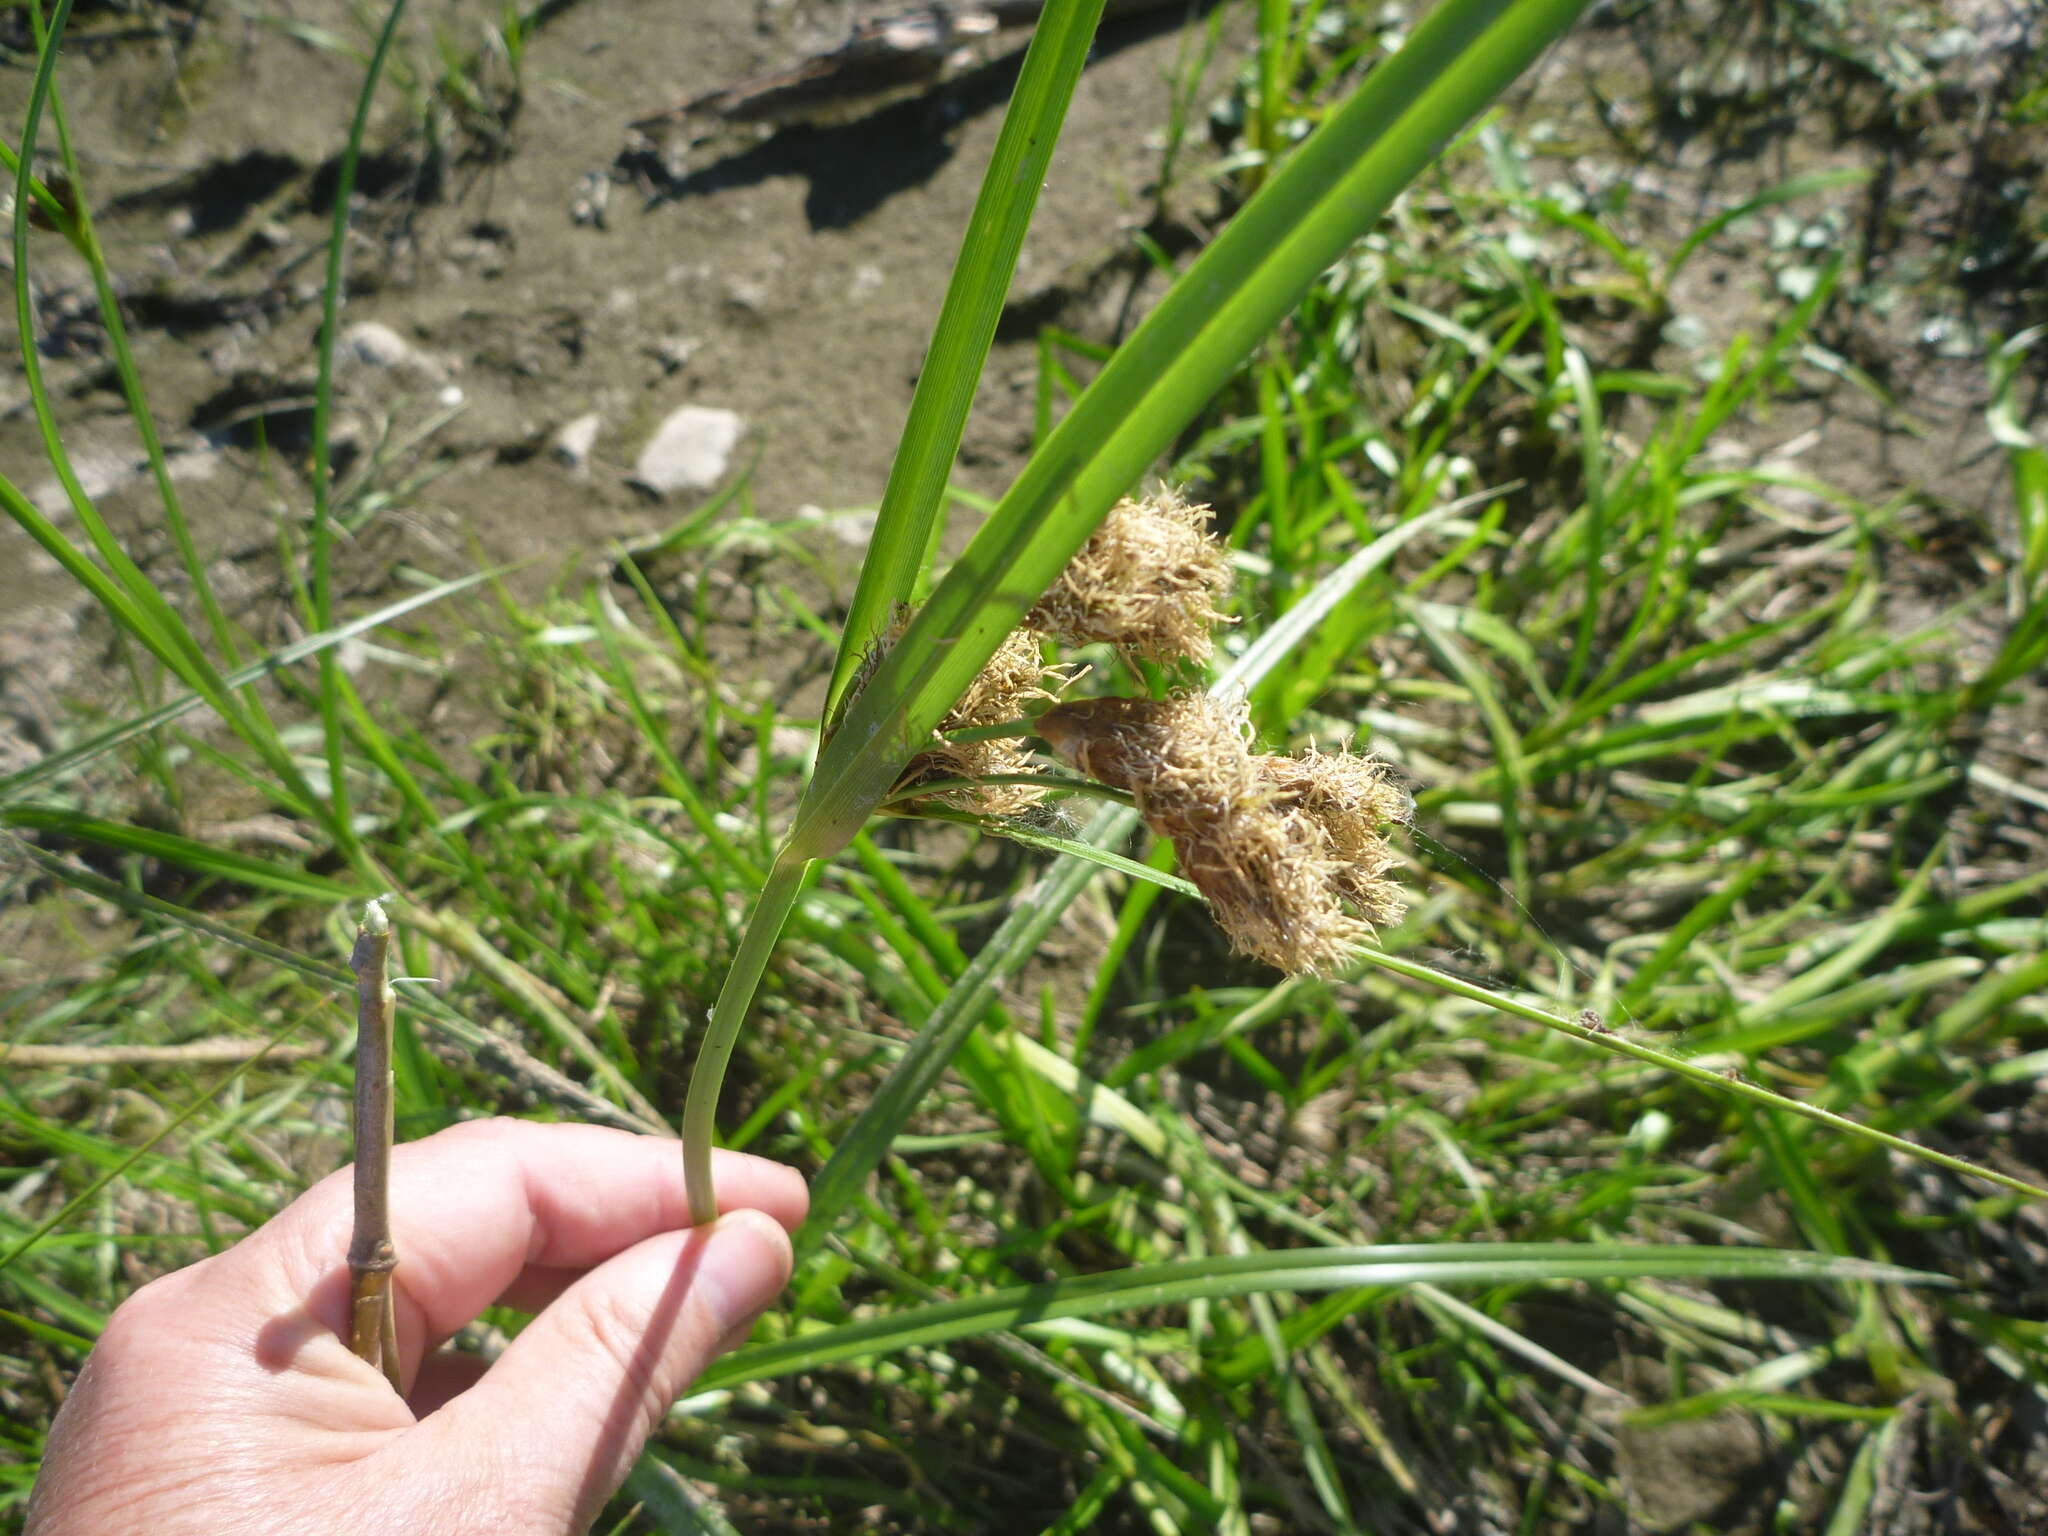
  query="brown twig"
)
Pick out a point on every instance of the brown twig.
point(373, 1323)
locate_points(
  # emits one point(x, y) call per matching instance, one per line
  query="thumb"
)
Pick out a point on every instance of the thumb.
point(559, 1420)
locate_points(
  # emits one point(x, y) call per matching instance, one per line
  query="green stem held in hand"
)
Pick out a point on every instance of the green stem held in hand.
point(735, 998)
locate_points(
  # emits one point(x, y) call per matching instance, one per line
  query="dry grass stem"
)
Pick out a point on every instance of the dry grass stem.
point(1148, 581)
point(1275, 855)
point(189, 1053)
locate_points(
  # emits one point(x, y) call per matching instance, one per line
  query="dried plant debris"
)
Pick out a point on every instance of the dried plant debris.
point(1015, 676)
point(1148, 581)
point(1276, 845)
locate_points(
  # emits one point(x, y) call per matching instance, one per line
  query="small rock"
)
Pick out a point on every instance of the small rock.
point(690, 450)
point(370, 344)
point(746, 297)
point(674, 352)
point(378, 345)
point(573, 443)
point(593, 197)
point(855, 528)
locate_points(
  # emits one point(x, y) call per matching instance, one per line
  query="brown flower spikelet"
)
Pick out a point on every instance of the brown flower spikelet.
point(1013, 676)
point(1349, 798)
point(1147, 581)
point(1264, 866)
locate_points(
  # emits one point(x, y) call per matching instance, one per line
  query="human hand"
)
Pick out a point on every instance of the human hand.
point(223, 1398)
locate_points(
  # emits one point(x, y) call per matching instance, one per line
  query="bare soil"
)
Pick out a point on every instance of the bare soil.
point(792, 277)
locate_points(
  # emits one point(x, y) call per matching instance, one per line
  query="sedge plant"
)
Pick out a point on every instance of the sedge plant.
point(910, 675)
point(1324, 197)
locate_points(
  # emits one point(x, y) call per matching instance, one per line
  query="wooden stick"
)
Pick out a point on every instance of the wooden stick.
point(373, 1323)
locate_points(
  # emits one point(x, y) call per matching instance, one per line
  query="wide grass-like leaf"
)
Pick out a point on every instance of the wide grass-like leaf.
point(1291, 1270)
point(908, 520)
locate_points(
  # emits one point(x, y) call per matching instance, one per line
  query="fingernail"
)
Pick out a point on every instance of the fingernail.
point(746, 1263)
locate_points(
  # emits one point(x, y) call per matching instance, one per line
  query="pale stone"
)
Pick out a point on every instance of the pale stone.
point(690, 451)
point(576, 438)
point(378, 345)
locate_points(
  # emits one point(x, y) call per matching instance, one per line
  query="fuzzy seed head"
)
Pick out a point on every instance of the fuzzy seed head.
point(1269, 871)
point(1014, 676)
point(1349, 799)
point(976, 760)
point(1148, 581)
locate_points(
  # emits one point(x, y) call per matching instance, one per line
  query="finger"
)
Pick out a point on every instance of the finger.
point(474, 1206)
point(574, 1396)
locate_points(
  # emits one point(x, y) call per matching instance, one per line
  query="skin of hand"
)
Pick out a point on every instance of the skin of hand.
point(223, 1398)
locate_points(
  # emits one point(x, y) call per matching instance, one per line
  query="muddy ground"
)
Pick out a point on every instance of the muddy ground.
point(534, 264)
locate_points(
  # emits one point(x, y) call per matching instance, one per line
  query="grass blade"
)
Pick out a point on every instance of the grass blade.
point(908, 518)
point(199, 858)
point(1291, 1270)
point(1605, 1039)
point(60, 763)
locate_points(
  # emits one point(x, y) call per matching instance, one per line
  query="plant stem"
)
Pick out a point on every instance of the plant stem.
point(735, 999)
point(373, 1325)
point(1001, 732)
point(188, 1053)
point(1050, 782)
